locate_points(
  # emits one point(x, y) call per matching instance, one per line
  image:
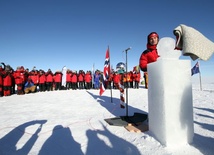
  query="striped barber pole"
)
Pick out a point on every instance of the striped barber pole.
point(120, 69)
point(122, 99)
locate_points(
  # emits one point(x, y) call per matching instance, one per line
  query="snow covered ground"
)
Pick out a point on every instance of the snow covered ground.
point(72, 122)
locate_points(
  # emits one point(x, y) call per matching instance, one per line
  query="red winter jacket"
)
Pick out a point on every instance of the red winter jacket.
point(7, 79)
point(19, 77)
point(1, 77)
point(116, 78)
point(58, 77)
point(148, 56)
point(1, 80)
point(42, 78)
point(49, 77)
point(68, 76)
point(81, 77)
point(137, 77)
point(87, 77)
point(74, 78)
point(34, 77)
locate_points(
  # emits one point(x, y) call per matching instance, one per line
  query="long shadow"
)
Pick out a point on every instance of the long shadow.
point(206, 109)
point(115, 146)
point(9, 141)
point(114, 108)
point(202, 115)
point(209, 127)
point(204, 144)
point(142, 86)
point(61, 142)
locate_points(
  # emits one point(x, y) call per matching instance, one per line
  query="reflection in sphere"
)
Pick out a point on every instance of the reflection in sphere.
point(120, 67)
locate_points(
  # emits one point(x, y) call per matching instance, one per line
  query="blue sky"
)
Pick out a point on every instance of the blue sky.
point(76, 33)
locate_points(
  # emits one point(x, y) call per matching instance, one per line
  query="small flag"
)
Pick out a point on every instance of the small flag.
point(136, 69)
point(102, 88)
point(106, 72)
point(195, 69)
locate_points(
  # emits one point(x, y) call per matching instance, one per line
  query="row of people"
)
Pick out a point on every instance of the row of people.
point(130, 79)
point(12, 82)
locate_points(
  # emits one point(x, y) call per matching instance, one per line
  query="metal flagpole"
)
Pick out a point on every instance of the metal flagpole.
point(200, 76)
point(200, 80)
point(93, 76)
point(110, 75)
point(127, 111)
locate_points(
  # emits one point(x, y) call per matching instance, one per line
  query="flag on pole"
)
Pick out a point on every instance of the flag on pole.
point(102, 88)
point(195, 69)
point(93, 76)
point(136, 68)
point(106, 72)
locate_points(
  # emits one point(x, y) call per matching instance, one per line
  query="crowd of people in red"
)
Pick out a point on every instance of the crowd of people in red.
point(16, 81)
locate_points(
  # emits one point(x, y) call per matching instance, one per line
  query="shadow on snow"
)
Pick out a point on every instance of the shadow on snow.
point(9, 141)
point(62, 142)
point(114, 107)
point(203, 143)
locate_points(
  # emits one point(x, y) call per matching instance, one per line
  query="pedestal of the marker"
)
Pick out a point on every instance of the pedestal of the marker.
point(170, 101)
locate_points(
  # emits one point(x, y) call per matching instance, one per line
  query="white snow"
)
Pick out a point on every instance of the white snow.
point(72, 122)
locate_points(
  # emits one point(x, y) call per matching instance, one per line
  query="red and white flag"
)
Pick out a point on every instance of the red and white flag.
point(102, 88)
point(106, 72)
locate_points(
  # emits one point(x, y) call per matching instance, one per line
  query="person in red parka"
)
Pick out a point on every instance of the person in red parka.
point(49, 80)
point(19, 80)
point(136, 77)
point(81, 79)
point(149, 55)
point(68, 79)
point(58, 80)
point(42, 80)
point(34, 76)
point(116, 80)
point(88, 79)
point(7, 80)
point(74, 80)
point(1, 80)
